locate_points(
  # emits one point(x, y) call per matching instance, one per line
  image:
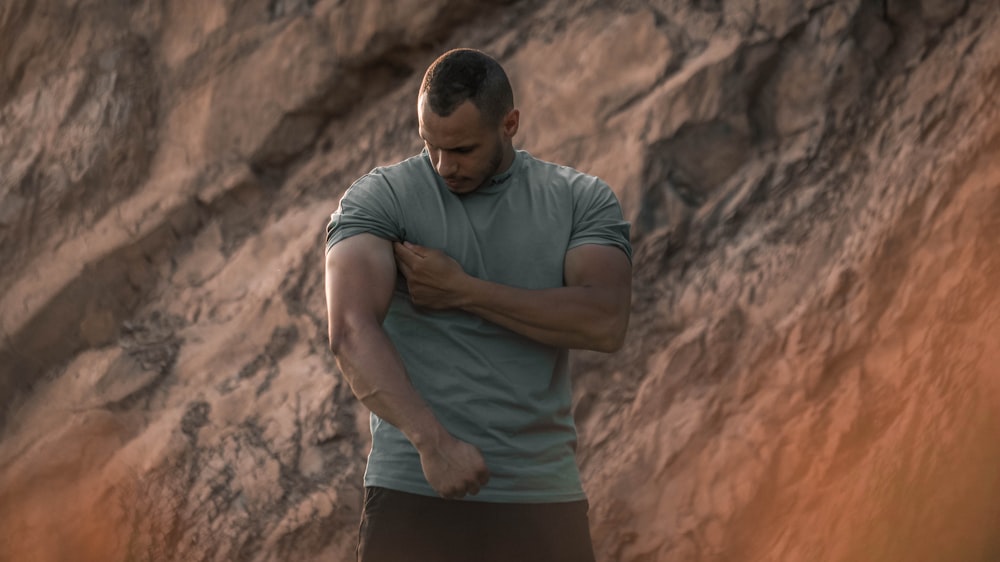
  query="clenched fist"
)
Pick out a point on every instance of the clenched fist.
point(454, 468)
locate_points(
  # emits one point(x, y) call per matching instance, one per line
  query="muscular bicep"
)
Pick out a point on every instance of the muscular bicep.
point(360, 276)
point(605, 274)
point(594, 265)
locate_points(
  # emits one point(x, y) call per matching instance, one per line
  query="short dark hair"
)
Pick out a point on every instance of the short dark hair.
point(468, 74)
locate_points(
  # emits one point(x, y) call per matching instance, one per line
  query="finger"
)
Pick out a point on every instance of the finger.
point(409, 248)
point(402, 252)
point(472, 490)
point(415, 249)
point(484, 476)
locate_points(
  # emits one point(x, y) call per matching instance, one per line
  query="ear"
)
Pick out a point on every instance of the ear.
point(511, 122)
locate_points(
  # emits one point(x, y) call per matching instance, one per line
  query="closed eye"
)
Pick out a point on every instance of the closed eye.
point(456, 150)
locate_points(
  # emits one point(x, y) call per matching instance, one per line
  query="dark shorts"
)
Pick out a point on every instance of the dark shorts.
point(397, 526)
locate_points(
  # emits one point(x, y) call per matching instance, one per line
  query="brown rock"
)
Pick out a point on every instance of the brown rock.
point(811, 368)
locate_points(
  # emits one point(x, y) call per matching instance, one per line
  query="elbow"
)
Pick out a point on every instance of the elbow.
point(611, 337)
point(337, 337)
point(616, 343)
point(609, 344)
point(343, 335)
point(611, 325)
point(346, 343)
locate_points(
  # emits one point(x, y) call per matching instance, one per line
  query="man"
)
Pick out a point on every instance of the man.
point(456, 280)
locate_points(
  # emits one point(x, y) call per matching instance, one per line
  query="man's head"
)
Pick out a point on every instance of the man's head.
point(467, 118)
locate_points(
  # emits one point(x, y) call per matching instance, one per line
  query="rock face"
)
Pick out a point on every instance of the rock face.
point(813, 365)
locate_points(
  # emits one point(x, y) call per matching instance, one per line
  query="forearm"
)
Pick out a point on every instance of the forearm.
point(574, 317)
point(359, 280)
point(378, 379)
point(589, 312)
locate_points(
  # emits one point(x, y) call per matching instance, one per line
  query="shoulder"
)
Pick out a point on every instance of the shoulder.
point(389, 180)
point(413, 168)
point(562, 176)
point(588, 194)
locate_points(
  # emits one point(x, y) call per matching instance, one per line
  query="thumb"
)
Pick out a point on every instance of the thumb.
point(415, 248)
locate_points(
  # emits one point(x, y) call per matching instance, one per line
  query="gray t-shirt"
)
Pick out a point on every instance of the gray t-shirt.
point(502, 392)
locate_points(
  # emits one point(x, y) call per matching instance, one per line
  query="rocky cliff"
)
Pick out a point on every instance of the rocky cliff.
point(813, 364)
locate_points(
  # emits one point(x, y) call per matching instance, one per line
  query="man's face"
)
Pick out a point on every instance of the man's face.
point(464, 149)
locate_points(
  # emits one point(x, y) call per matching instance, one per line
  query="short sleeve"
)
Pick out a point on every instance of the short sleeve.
point(368, 206)
point(598, 219)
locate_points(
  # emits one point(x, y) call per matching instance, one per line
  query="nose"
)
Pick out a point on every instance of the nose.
point(446, 165)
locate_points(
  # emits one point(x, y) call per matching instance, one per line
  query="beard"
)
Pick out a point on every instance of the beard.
point(494, 164)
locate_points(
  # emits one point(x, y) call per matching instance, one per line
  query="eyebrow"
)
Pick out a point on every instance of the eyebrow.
point(461, 148)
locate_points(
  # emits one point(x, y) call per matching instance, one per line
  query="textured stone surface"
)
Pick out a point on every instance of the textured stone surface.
point(812, 370)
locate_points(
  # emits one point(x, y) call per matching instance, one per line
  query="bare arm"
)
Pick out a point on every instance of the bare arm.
point(590, 312)
point(360, 274)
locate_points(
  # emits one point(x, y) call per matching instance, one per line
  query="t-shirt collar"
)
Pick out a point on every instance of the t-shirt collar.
point(499, 181)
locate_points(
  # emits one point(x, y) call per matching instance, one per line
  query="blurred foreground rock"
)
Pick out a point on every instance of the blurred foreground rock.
point(813, 364)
